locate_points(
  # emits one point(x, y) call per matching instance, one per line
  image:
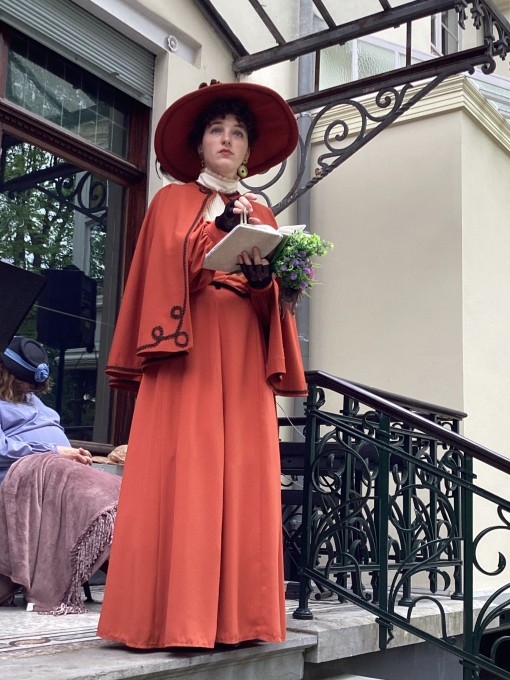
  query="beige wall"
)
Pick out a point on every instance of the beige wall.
point(388, 312)
point(486, 306)
point(486, 284)
point(174, 76)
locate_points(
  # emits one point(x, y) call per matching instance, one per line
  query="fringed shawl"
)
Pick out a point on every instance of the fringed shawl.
point(56, 529)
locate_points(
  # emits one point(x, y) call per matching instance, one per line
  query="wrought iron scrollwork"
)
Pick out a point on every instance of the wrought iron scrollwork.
point(82, 192)
point(390, 527)
point(495, 28)
point(381, 100)
point(69, 186)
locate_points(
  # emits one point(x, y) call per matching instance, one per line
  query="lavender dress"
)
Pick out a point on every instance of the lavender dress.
point(27, 428)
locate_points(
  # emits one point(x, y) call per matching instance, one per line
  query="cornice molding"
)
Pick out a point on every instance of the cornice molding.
point(454, 94)
point(36, 130)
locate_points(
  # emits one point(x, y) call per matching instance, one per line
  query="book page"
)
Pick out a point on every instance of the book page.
point(223, 257)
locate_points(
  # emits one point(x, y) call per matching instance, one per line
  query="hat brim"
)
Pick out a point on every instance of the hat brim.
point(276, 125)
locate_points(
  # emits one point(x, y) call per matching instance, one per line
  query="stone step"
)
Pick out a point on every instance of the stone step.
point(107, 661)
point(351, 677)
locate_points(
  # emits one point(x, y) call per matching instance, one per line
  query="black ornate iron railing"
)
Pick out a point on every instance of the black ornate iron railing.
point(346, 117)
point(386, 520)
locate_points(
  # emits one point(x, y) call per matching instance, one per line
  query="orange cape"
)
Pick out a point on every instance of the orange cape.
point(154, 321)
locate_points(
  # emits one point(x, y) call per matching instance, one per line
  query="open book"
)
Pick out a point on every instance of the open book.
point(223, 257)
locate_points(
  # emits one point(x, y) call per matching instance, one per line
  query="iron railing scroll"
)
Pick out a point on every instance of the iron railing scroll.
point(387, 519)
point(344, 118)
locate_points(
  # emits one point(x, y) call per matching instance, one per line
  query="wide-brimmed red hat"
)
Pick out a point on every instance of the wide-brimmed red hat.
point(276, 126)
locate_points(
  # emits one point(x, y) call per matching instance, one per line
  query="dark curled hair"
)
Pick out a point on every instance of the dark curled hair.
point(220, 109)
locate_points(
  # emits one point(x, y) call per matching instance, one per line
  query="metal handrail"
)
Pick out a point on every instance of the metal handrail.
point(372, 398)
point(387, 500)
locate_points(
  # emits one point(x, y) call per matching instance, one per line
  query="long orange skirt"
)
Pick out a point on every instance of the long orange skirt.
point(197, 556)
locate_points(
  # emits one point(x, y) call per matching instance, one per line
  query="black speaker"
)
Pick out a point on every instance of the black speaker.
point(66, 316)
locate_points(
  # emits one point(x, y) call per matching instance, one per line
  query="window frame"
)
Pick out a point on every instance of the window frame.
point(131, 173)
point(439, 27)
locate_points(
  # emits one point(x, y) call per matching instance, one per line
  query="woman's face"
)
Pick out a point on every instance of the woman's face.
point(224, 146)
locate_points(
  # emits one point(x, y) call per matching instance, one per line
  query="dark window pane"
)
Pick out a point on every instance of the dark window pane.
point(50, 86)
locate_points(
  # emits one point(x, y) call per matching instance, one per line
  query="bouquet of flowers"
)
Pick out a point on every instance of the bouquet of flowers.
point(292, 264)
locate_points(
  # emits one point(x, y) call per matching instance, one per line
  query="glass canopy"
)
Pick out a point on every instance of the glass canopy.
point(260, 34)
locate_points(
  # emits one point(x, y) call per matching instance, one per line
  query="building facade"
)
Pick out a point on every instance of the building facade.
point(414, 296)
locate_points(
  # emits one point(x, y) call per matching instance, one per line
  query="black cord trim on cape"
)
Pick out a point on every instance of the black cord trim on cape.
point(135, 371)
point(177, 312)
point(220, 284)
point(289, 393)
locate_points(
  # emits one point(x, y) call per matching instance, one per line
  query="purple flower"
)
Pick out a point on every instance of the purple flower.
point(294, 265)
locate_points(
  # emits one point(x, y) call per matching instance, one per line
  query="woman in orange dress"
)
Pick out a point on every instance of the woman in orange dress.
point(197, 552)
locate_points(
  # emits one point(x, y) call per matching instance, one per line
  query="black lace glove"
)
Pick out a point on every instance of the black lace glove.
point(228, 218)
point(258, 275)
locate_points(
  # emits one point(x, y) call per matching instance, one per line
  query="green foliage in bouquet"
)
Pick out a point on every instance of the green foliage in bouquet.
point(292, 260)
point(293, 265)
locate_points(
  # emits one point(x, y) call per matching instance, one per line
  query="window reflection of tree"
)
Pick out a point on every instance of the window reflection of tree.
point(35, 227)
point(54, 215)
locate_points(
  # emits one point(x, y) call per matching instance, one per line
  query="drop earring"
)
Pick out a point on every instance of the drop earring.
point(242, 170)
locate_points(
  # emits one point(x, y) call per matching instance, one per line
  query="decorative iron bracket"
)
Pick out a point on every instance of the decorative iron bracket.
point(381, 100)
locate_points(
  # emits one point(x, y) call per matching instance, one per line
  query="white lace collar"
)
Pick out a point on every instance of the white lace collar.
point(217, 182)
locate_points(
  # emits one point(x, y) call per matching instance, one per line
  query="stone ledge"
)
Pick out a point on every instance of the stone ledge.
point(351, 677)
point(114, 662)
point(339, 636)
point(345, 630)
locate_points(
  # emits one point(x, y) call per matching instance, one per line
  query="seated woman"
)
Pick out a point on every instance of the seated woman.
point(56, 516)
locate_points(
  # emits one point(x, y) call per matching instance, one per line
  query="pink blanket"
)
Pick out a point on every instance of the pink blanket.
point(56, 528)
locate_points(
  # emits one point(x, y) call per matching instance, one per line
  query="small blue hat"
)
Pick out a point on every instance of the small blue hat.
point(27, 360)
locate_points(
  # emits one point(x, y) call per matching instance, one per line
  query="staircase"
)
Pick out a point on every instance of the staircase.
point(379, 513)
point(381, 554)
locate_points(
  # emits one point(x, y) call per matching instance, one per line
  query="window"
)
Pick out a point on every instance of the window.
point(445, 33)
point(361, 58)
point(54, 88)
point(72, 174)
